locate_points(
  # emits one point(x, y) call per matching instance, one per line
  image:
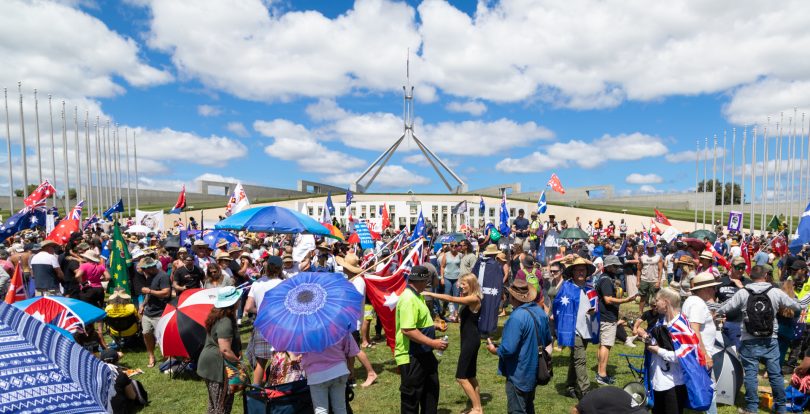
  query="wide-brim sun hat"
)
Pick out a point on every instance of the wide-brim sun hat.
point(522, 291)
point(704, 280)
point(350, 263)
point(226, 297)
point(119, 294)
point(491, 250)
point(685, 260)
point(419, 274)
point(706, 255)
point(569, 270)
point(91, 255)
point(611, 260)
point(47, 243)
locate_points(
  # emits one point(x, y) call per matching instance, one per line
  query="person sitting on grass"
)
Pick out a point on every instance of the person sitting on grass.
point(470, 299)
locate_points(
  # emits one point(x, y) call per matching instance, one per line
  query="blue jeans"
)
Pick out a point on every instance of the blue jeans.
point(451, 288)
point(765, 350)
point(517, 401)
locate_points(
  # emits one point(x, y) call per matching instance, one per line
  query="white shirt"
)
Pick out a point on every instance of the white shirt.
point(551, 237)
point(696, 311)
point(583, 319)
point(666, 370)
point(735, 251)
point(260, 287)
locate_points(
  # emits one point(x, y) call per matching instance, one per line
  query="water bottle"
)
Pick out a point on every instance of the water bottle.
point(445, 339)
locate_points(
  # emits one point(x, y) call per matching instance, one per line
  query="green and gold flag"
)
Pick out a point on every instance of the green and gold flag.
point(774, 224)
point(119, 256)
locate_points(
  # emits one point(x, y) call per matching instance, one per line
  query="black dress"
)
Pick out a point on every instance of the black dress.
point(470, 342)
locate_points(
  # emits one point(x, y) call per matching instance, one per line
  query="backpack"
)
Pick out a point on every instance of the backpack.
point(758, 314)
point(545, 370)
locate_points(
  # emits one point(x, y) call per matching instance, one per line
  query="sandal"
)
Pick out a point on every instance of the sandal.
point(151, 364)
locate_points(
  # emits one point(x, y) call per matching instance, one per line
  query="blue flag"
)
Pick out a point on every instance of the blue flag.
point(802, 231)
point(349, 196)
point(503, 227)
point(366, 242)
point(419, 230)
point(623, 249)
point(116, 208)
point(481, 206)
point(565, 308)
point(329, 204)
point(25, 219)
point(541, 203)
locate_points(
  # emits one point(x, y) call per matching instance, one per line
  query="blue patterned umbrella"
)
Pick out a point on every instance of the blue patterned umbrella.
point(41, 371)
point(273, 219)
point(309, 312)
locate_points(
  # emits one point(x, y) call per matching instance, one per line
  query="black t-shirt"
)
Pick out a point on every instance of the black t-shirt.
point(608, 400)
point(69, 268)
point(521, 226)
point(726, 289)
point(650, 317)
point(154, 306)
point(629, 268)
point(189, 279)
point(606, 287)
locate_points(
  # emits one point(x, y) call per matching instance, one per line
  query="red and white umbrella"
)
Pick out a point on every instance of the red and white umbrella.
point(180, 332)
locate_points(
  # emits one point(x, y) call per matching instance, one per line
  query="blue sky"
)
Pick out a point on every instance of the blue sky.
point(268, 92)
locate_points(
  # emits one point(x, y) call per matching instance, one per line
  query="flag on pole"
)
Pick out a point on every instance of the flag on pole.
point(555, 184)
point(419, 230)
point(329, 204)
point(62, 232)
point(326, 216)
point(661, 218)
point(481, 206)
point(76, 211)
point(746, 255)
point(386, 221)
point(180, 205)
point(541, 203)
point(654, 227)
point(803, 230)
point(460, 208)
point(115, 208)
point(779, 245)
point(90, 221)
point(119, 256)
point(25, 219)
point(503, 227)
point(238, 201)
point(349, 196)
point(40, 195)
point(16, 288)
point(718, 257)
point(774, 224)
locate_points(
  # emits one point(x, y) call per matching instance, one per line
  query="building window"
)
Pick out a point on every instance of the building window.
point(492, 212)
point(310, 211)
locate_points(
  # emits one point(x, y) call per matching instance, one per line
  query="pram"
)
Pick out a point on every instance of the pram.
point(290, 398)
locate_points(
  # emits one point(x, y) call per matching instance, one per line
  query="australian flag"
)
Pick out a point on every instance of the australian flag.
point(565, 308)
point(90, 221)
point(116, 208)
point(349, 196)
point(541, 203)
point(330, 205)
point(419, 230)
point(802, 232)
point(25, 219)
point(503, 227)
point(481, 206)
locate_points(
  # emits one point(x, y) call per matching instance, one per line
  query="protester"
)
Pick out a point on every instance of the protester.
point(524, 333)
point(652, 274)
point(222, 343)
point(157, 297)
point(46, 270)
point(90, 275)
point(327, 373)
point(215, 277)
point(448, 277)
point(258, 348)
point(729, 285)
point(609, 316)
point(70, 261)
point(684, 273)
point(491, 274)
point(187, 275)
point(415, 341)
point(466, 372)
point(631, 261)
point(701, 320)
point(758, 342)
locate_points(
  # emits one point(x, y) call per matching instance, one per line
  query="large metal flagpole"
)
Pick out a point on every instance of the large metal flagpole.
point(88, 165)
point(777, 187)
point(65, 159)
point(53, 148)
point(791, 164)
point(714, 180)
point(23, 147)
point(107, 155)
point(753, 174)
point(118, 162)
point(697, 177)
point(135, 154)
point(99, 195)
point(10, 167)
point(129, 196)
point(78, 151)
point(766, 163)
point(723, 180)
point(733, 178)
point(39, 147)
point(802, 198)
point(705, 177)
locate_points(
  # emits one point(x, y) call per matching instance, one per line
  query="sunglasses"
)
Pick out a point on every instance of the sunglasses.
point(741, 267)
point(554, 271)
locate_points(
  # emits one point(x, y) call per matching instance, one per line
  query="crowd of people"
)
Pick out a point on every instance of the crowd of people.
point(555, 293)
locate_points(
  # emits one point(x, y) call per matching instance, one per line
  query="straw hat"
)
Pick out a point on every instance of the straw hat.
point(704, 280)
point(119, 294)
point(234, 249)
point(685, 260)
point(350, 263)
point(223, 256)
point(201, 243)
point(91, 255)
point(287, 258)
point(47, 243)
point(706, 255)
point(569, 270)
point(147, 262)
point(522, 291)
point(222, 243)
point(491, 250)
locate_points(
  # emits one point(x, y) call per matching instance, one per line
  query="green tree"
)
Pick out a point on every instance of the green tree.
point(717, 187)
point(31, 187)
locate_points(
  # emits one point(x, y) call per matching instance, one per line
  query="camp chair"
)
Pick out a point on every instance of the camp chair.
point(796, 400)
point(291, 398)
point(115, 327)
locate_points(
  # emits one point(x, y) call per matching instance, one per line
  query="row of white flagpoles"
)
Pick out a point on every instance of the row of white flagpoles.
point(103, 182)
point(774, 172)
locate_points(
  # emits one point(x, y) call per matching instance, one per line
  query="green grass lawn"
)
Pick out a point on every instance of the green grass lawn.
point(169, 395)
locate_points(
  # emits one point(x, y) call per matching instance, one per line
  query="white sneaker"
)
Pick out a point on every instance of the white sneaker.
point(239, 322)
point(629, 341)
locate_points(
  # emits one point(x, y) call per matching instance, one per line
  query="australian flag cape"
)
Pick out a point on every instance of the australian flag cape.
point(565, 307)
point(686, 345)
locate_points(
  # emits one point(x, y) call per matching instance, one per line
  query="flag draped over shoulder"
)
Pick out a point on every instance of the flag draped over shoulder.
point(119, 257)
point(565, 307)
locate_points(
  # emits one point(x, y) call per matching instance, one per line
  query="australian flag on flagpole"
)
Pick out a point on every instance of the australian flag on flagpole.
point(802, 232)
point(481, 206)
point(349, 196)
point(180, 205)
point(541, 203)
point(25, 219)
point(90, 221)
point(419, 230)
point(503, 227)
point(116, 208)
point(329, 204)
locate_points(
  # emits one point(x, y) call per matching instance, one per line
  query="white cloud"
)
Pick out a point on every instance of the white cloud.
point(690, 156)
point(648, 189)
point(325, 110)
point(294, 142)
point(636, 178)
point(48, 46)
point(471, 107)
point(772, 167)
point(420, 160)
point(217, 177)
point(170, 145)
point(753, 103)
point(300, 53)
point(623, 147)
point(238, 129)
point(391, 177)
point(208, 110)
